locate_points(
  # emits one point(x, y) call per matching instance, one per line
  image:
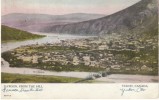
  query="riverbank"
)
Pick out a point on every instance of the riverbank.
point(19, 78)
point(113, 78)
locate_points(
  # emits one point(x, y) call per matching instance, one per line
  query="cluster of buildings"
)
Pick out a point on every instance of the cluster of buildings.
point(92, 52)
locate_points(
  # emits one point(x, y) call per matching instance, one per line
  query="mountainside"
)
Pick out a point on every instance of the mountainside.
point(35, 22)
point(139, 17)
point(12, 34)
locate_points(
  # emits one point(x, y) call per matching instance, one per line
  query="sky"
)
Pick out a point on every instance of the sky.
point(59, 7)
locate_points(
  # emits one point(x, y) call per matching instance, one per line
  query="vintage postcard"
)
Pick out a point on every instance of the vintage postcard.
point(79, 49)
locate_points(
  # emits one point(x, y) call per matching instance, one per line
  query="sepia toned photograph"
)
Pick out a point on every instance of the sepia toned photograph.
point(79, 41)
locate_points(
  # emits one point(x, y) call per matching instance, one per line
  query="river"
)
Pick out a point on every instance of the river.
point(54, 38)
point(50, 38)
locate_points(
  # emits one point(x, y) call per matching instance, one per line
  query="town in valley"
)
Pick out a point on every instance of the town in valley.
point(115, 53)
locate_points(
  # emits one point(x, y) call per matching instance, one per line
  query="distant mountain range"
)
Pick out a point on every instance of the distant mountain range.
point(38, 22)
point(140, 17)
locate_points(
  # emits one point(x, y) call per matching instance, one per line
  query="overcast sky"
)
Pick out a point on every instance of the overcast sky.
point(58, 7)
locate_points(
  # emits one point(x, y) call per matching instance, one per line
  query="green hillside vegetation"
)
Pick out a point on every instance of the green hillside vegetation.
point(17, 78)
point(12, 34)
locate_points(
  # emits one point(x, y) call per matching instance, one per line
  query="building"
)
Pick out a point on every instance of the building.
point(27, 59)
point(115, 67)
point(145, 68)
point(103, 47)
point(86, 60)
point(34, 59)
point(94, 63)
point(75, 60)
